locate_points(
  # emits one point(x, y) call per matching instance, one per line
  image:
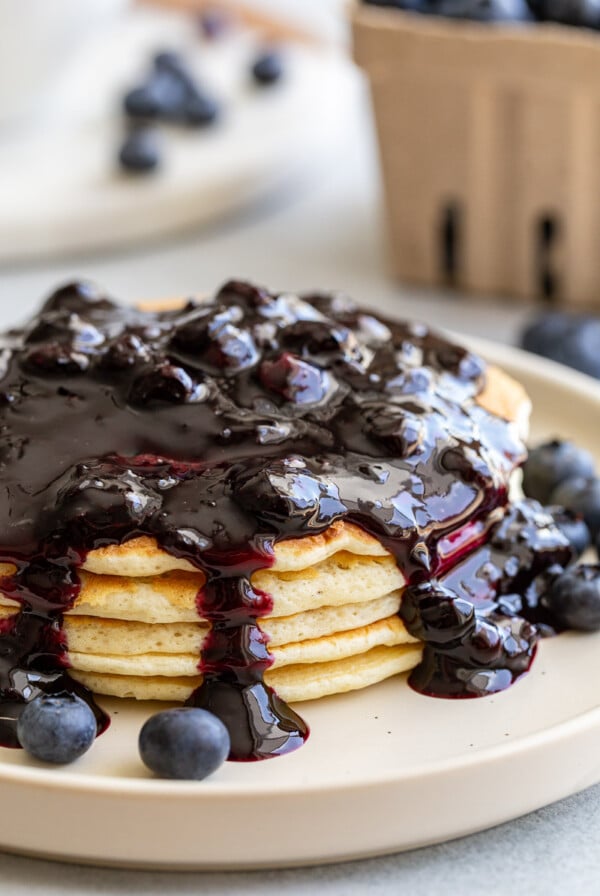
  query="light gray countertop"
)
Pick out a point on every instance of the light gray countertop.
point(323, 232)
point(548, 852)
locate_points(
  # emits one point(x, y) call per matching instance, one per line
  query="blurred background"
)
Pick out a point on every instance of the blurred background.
point(433, 158)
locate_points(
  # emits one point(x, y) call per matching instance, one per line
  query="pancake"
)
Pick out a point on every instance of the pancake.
point(172, 597)
point(294, 684)
point(262, 492)
point(143, 556)
point(329, 647)
point(88, 634)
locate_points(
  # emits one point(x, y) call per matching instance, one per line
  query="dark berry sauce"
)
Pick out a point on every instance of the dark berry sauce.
point(220, 428)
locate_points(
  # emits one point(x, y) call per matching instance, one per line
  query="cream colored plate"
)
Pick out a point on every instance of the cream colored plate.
point(383, 770)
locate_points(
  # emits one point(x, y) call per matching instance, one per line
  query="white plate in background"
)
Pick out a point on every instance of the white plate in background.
point(61, 188)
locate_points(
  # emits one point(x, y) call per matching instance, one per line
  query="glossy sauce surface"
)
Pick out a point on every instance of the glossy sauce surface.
point(220, 428)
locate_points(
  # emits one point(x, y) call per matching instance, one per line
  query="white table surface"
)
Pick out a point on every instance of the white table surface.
point(323, 232)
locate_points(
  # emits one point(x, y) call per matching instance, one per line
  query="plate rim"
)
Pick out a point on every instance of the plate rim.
point(153, 787)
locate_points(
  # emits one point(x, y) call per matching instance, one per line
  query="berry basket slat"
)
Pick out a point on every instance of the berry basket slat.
point(489, 141)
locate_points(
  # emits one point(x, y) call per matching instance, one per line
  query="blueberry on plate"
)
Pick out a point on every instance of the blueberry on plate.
point(579, 13)
point(142, 102)
point(140, 153)
point(570, 339)
point(583, 350)
point(582, 495)
point(57, 728)
point(201, 110)
point(481, 10)
point(476, 10)
point(267, 68)
point(574, 598)
point(422, 6)
point(544, 334)
point(185, 102)
point(573, 527)
point(169, 61)
point(162, 97)
point(172, 70)
point(185, 743)
point(551, 463)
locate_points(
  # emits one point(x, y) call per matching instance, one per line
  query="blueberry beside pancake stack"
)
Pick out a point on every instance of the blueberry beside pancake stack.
point(255, 501)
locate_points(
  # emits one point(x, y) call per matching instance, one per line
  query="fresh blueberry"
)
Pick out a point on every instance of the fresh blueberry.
point(169, 61)
point(414, 5)
point(544, 334)
point(583, 350)
point(570, 339)
point(481, 10)
point(582, 495)
point(574, 598)
point(57, 728)
point(201, 110)
point(551, 463)
point(579, 13)
point(573, 527)
point(477, 10)
point(172, 94)
point(172, 71)
point(267, 68)
point(140, 152)
point(185, 743)
point(162, 97)
point(142, 102)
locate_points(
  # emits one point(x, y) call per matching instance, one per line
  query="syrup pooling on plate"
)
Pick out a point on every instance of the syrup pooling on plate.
point(218, 429)
point(481, 618)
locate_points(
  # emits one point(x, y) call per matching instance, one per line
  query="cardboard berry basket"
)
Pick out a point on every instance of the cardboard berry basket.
point(489, 138)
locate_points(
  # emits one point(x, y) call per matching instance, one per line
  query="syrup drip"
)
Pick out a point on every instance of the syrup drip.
point(222, 428)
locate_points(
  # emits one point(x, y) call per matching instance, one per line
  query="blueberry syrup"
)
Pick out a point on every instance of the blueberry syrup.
point(219, 429)
point(260, 725)
point(481, 619)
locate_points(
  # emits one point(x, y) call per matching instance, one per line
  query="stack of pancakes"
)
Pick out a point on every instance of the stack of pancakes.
point(134, 630)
